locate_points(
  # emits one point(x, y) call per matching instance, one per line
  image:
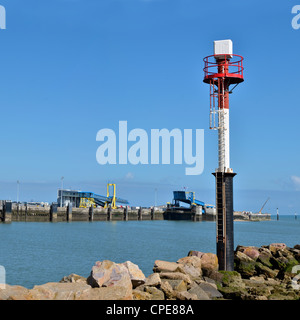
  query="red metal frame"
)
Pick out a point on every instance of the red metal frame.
point(229, 66)
point(220, 72)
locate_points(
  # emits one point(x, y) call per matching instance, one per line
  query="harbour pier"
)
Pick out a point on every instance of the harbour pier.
point(11, 212)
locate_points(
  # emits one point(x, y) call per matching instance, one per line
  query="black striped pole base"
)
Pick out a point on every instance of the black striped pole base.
point(224, 220)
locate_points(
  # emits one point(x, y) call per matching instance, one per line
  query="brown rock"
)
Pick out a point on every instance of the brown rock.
point(108, 273)
point(178, 285)
point(106, 293)
point(191, 266)
point(234, 293)
point(191, 260)
point(199, 292)
point(185, 295)
point(140, 288)
point(175, 276)
point(153, 280)
point(264, 257)
point(140, 295)
point(136, 275)
point(213, 275)
point(210, 281)
point(232, 279)
point(155, 293)
point(241, 256)
point(119, 277)
point(244, 264)
point(268, 272)
point(13, 293)
point(251, 252)
point(167, 289)
point(191, 271)
point(58, 291)
point(210, 290)
point(161, 266)
point(100, 273)
point(209, 261)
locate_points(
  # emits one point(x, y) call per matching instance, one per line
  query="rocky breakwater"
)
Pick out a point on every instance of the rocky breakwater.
point(265, 273)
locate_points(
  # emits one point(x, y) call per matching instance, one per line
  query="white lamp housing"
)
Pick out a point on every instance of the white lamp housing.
point(222, 47)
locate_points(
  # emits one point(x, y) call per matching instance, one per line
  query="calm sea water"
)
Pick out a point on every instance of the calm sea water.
point(36, 253)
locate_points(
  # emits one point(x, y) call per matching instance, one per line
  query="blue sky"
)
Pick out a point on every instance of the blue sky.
point(70, 68)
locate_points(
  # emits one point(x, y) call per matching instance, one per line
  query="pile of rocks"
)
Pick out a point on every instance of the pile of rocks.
point(265, 273)
point(181, 280)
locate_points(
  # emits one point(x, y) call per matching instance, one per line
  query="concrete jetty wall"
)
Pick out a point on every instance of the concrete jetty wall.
point(238, 215)
point(54, 214)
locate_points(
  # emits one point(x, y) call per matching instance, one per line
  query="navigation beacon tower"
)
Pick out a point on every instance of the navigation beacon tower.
point(223, 71)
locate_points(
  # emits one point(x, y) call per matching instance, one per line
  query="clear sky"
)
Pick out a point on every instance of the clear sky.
point(71, 67)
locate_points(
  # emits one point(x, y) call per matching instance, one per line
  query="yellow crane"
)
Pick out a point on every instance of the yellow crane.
point(112, 203)
point(263, 206)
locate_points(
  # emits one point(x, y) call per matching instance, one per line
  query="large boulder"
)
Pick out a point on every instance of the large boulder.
point(264, 257)
point(191, 266)
point(191, 260)
point(167, 290)
point(178, 285)
point(199, 292)
point(107, 293)
point(100, 273)
point(9, 292)
point(136, 275)
point(284, 263)
point(246, 269)
point(153, 280)
point(110, 274)
point(251, 252)
point(66, 290)
point(264, 270)
point(58, 291)
point(210, 290)
point(232, 279)
point(209, 261)
point(165, 266)
point(241, 256)
point(232, 286)
point(244, 264)
point(213, 275)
